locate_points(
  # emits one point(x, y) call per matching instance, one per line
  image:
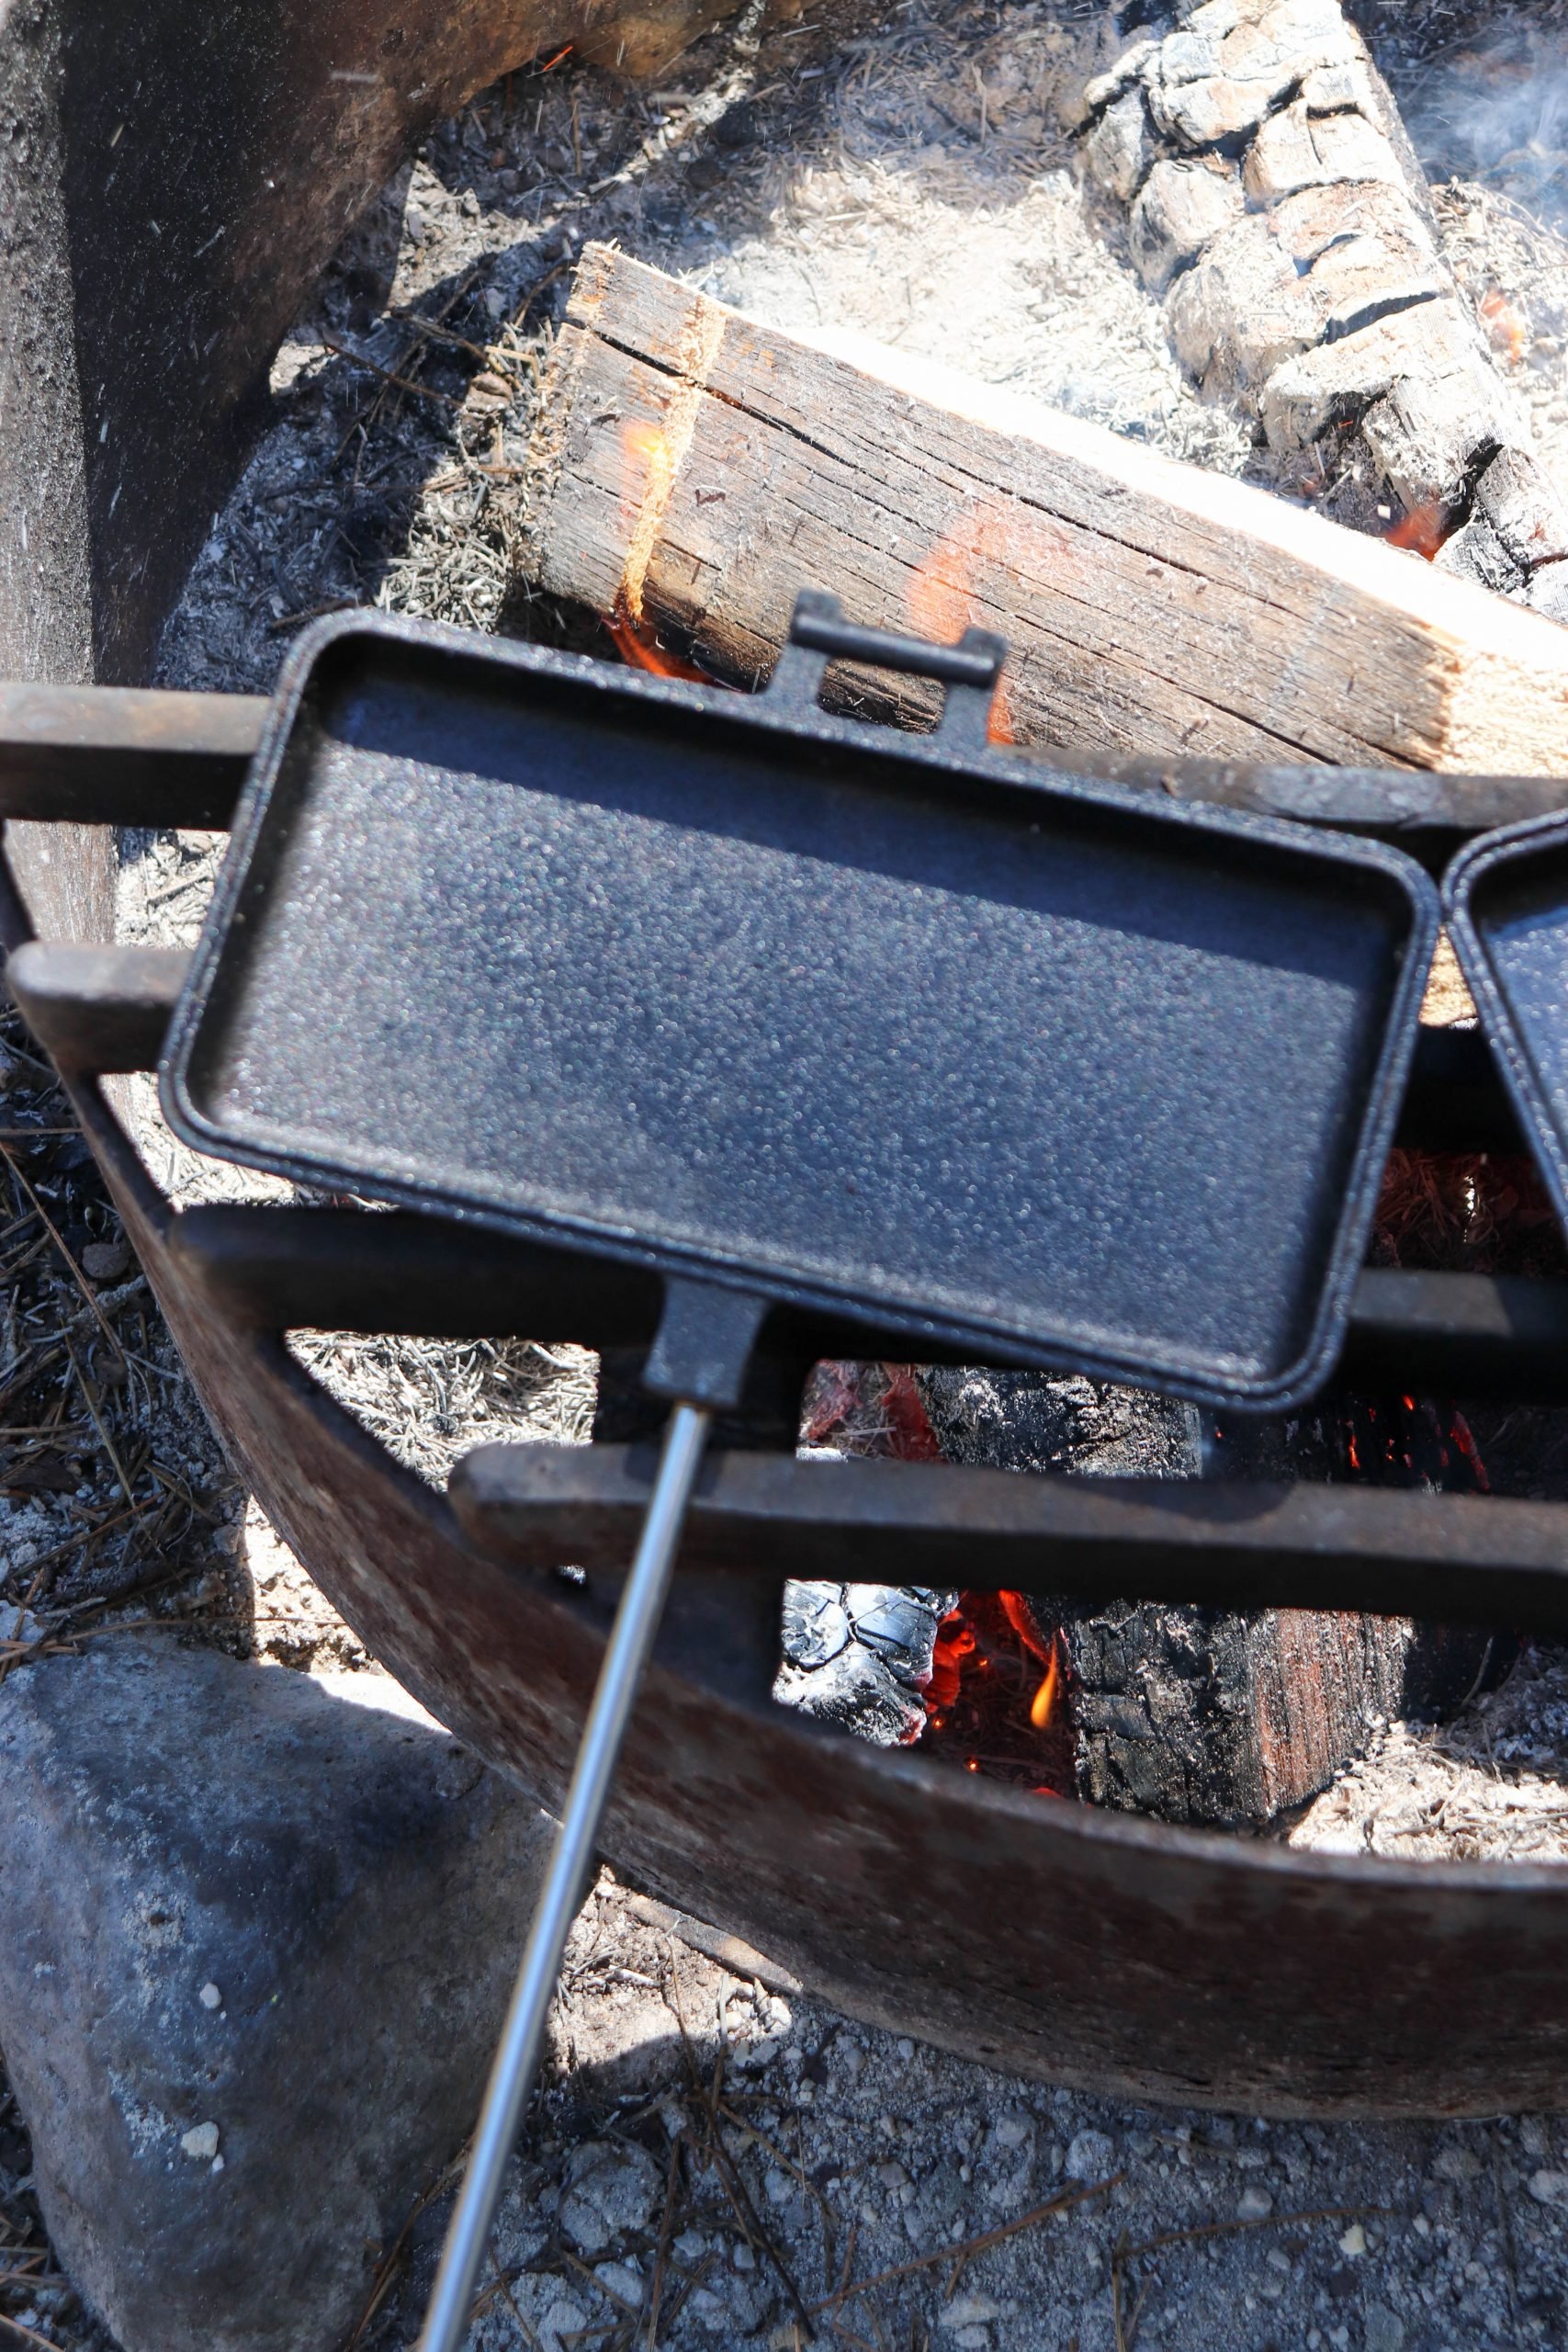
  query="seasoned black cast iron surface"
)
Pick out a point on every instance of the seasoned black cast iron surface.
point(725, 985)
point(1507, 903)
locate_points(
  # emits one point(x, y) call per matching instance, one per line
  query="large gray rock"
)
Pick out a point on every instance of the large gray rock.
point(257, 1944)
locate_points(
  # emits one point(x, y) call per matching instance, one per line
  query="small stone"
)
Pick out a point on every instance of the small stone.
point(611, 2189)
point(1091, 2156)
point(622, 2278)
point(1549, 2187)
point(1354, 2242)
point(564, 2322)
point(105, 1261)
point(1254, 2205)
point(1457, 2163)
point(201, 2141)
point(211, 1998)
point(969, 2310)
point(1382, 2330)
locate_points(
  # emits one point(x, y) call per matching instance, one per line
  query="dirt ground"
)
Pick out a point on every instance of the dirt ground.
point(725, 2149)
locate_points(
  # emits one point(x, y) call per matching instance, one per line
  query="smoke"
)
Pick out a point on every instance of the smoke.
point(1494, 109)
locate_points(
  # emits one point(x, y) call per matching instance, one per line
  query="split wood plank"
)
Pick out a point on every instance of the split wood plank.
point(693, 469)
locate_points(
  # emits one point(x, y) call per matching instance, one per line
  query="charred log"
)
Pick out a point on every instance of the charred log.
point(1204, 1714)
point(1275, 203)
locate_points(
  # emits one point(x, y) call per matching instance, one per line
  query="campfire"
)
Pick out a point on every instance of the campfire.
point(1147, 347)
point(1152, 412)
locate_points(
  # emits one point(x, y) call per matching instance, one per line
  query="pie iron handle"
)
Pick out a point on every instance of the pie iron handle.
point(818, 634)
point(699, 1360)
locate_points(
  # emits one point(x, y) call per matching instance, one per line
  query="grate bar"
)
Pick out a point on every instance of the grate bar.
point(1454, 1100)
point(1471, 1335)
point(125, 755)
point(1374, 1550)
point(98, 1009)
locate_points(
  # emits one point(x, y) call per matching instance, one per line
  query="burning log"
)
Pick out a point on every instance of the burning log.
point(1195, 1714)
point(694, 467)
point(1276, 204)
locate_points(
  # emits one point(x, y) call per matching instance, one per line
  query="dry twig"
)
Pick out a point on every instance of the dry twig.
point(961, 2256)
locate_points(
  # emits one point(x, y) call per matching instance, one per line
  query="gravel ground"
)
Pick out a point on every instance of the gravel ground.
point(754, 2155)
point(736, 2151)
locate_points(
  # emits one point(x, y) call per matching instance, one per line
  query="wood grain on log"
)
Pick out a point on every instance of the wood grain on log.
point(694, 469)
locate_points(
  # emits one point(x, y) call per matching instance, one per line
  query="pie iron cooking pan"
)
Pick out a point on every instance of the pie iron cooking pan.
point(793, 1009)
point(1507, 899)
point(908, 1027)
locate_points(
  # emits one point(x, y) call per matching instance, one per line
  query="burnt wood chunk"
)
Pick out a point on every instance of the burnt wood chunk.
point(696, 469)
point(1191, 1713)
point(1276, 204)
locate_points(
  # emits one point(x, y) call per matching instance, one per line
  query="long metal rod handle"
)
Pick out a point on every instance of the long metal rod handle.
point(517, 2056)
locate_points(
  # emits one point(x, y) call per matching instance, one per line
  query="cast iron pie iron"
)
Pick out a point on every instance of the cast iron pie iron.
point(1506, 900)
point(796, 1010)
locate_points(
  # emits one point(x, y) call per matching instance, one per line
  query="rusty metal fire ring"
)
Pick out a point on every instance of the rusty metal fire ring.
point(1099, 1950)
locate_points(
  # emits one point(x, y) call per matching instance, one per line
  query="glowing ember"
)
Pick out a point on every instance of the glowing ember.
point(1422, 531)
point(987, 1708)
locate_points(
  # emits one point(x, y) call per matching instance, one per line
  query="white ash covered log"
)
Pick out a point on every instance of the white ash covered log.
point(859, 1656)
point(1275, 203)
point(694, 469)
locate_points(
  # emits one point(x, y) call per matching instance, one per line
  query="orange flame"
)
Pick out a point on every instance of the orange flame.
point(1044, 1699)
point(945, 589)
point(1422, 531)
point(1505, 326)
point(640, 650)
